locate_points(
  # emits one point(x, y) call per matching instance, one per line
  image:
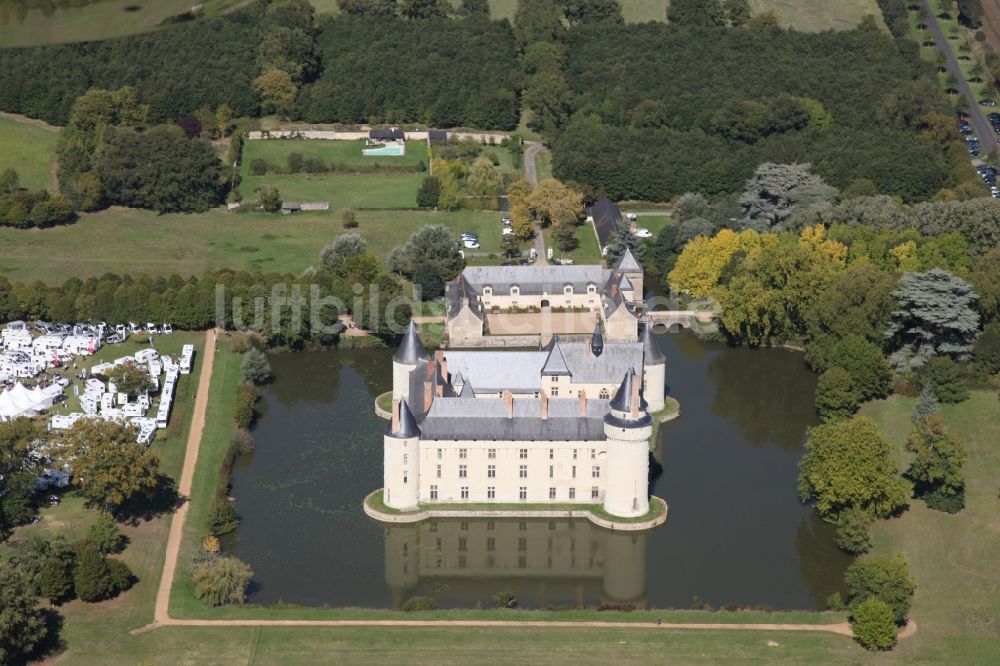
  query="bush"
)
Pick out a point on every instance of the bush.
point(222, 580)
point(295, 162)
point(348, 219)
point(504, 600)
point(887, 578)
point(987, 349)
point(852, 533)
point(429, 192)
point(55, 580)
point(243, 442)
point(96, 577)
point(836, 396)
point(428, 276)
point(222, 517)
point(873, 625)
point(946, 378)
point(105, 534)
point(120, 574)
point(258, 167)
point(243, 405)
point(255, 367)
point(419, 604)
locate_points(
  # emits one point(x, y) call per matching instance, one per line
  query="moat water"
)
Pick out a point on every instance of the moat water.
point(736, 534)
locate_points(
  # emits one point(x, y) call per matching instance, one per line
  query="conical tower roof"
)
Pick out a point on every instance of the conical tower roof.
point(467, 391)
point(622, 401)
point(411, 348)
point(651, 353)
point(597, 340)
point(555, 364)
point(627, 263)
point(407, 423)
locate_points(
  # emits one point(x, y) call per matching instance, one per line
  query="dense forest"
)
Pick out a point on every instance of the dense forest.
point(436, 71)
point(655, 110)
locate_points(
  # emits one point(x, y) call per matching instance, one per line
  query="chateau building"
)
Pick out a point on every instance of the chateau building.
point(567, 424)
point(612, 294)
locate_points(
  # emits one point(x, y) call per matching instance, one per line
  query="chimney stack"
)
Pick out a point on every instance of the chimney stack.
point(395, 415)
point(635, 396)
point(614, 290)
point(428, 394)
point(545, 406)
point(583, 403)
point(508, 400)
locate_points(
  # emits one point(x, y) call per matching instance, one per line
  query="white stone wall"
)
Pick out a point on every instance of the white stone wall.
point(401, 380)
point(654, 380)
point(628, 471)
point(507, 481)
point(401, 473)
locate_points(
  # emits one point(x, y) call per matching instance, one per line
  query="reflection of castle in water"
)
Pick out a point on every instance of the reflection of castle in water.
point(542, 562)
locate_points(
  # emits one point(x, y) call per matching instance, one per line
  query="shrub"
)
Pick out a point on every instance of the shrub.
point(120, 574)
point(348, 219)
point(295, 162)
point(429, 192)
point(55, 580)
point(946, 378)
point(222, 580)
point(834, 602)
point(419, 604)
point(210, 544)
point(852, 533)
point(105, 534)
point(243, 405)
point(222, 517)
point(504, 600)
point(936, 470)
point(873, 625)
point(987, 349)
point(255, 367)
point(887, 578)
point(258, 167)
point(836, 396)
point(96, 577)
point(243, 442)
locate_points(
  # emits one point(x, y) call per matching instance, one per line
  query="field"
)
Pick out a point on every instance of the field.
point(28, 148)
point(369, 190)
point(125, 240)
point(953, 558)
point(99, 20)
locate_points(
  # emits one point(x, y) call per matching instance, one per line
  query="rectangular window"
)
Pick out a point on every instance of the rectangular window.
point(522, 544)
point(523, 493)
point(594, 492)
point(523, 454)
point(464, 526)
point(593, 454)
point(595, 472)
point(439, 454)
point(574, 454)
point(522, 472)
point(462, 545)
point(463, 454)
point(491, 544)
point(552, 493)
point(434, 493)
point(405, 478)
point(439, 471)
point(491, 471)
point(490, 525)
point(462, 471)
point(491, 492)
point(552, 453)
point(572, 493)
point(522, 562)
point(574, 471)
point(552, 471)
point(491, 454)
point(555, 391)
point(406, 458)
point(465, 492)
point(522, 527)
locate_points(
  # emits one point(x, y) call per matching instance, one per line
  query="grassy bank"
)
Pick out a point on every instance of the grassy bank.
point(953, 557)
point(28, 148)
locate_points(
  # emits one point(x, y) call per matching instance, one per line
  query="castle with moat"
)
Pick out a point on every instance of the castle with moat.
point(567, 423)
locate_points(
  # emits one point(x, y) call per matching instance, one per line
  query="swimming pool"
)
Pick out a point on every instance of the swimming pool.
point(394, 149)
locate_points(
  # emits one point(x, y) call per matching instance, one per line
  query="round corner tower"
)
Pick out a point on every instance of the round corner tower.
point(654, 370)
point(410, 352)
point(401, 450)
point(627, 427)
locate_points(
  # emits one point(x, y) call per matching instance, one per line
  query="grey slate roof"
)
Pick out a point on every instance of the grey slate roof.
point(651, 351)
point(616, 358)
point(597, 340)
point(555, 364)
point(407, 423)
point(487, 419)
point(458, 289)
point(606, 216)
point(492, 371)
point(467, 391)
point(626, 284)
point(411, 349)
point(627, 263)
point(622, 401)
point(535, 279)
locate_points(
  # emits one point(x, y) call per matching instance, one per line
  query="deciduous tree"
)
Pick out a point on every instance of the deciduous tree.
point(885, 578)
point(23, 623)
point(936, 470)
point(873, 624)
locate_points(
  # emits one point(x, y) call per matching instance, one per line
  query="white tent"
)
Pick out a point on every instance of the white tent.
point(19, 401)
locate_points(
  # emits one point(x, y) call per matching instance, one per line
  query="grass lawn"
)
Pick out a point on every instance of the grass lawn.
point(98, 20)
point(587, 252)
point(125, 240)
point(654, 223)
point(340, 191)
point(276, 151)
point(28, 148)
point(954, 558)
point(543, 164)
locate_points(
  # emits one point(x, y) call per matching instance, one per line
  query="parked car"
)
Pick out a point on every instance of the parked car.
point(988, 102)
point(151, 328)
point(472, 244)
point(166, 329)
point(42, 327)
point(507, 231)
point(134, 328)
point(114, 339)
point(642, 232)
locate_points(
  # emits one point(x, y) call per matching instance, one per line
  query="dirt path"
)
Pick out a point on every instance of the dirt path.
point(161, 612)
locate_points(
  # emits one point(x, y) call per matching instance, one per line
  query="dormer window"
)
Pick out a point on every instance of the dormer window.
point(515, 290)
point(591, 288)
point(487, 290)
point(568, 289)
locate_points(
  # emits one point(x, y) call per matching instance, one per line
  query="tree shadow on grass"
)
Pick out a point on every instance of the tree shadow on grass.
point(53, 642)
point(163, 498)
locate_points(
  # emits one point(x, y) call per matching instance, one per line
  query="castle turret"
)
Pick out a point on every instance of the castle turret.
point(628, 427)
point(411, 351)
point(654, 370)
point(401, 451)
point(597, 341)
point(402, 564)
point(628, 266)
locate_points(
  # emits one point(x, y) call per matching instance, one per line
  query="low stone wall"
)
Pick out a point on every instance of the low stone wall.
point(494, 341)
point(418, 516)
point(349, 135)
